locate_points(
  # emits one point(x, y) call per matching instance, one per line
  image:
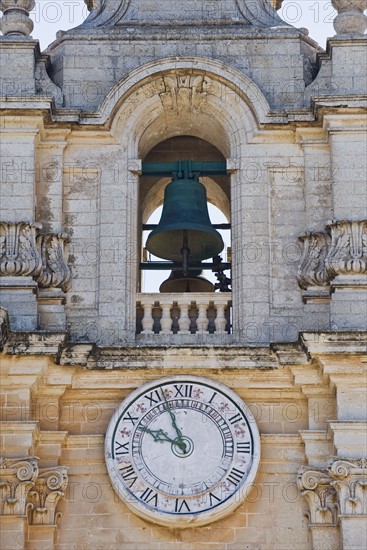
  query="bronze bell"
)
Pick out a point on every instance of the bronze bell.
point(177, 283)
point(185, 225)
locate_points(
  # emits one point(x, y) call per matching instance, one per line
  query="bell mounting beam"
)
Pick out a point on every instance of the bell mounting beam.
point(184, 168)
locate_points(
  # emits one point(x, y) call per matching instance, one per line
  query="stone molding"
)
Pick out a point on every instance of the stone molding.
point(339, 253)
point(24, 251)
point(26, 490)
point(16, 20)
point(49, 487)
point(350, 18)
point(17, 477)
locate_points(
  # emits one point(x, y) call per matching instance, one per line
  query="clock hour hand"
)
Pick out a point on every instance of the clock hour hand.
point(158, 435)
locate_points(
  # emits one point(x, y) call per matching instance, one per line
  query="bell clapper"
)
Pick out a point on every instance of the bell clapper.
point(185, 251)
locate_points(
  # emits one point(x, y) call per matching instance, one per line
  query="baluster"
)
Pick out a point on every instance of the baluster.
point(220, 321)
point(202, 320)
point(147, 321)
point(166, 321)
point(184, 320)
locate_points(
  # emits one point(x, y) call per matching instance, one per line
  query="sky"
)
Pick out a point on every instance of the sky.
point(50, 16)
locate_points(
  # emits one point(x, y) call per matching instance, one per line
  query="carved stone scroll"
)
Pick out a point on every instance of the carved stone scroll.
point(19, 255)
point(349, 478)
point(55, 271)
point(316, 487)
point(17, 477)
point(348, 250)
point(312, 270)
point(49, 488)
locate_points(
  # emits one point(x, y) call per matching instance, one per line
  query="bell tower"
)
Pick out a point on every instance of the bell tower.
point(213, 143)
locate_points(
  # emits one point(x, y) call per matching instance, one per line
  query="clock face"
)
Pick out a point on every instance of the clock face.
point(182, 451)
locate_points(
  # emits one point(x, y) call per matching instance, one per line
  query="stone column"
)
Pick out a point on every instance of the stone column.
point(43, 499)
point(321, 497)
point(17, 477)
point(349, 479)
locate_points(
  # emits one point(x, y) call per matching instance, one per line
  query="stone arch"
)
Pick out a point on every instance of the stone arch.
point(225, 82)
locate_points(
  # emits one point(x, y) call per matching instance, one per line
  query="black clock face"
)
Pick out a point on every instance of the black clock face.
point(182, 450)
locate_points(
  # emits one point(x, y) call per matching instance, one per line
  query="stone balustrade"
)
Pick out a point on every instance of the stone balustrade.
point(186, 313)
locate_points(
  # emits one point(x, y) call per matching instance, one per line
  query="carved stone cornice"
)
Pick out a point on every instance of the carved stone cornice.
point(350, 18)
point(316, 487)
point(349, 478)
point(260, 13)
point(16, 20)
point(55, 271)
point(312, 270)
point(43, 498)
point(17, 477)
point(19, 255)
point(347, 254)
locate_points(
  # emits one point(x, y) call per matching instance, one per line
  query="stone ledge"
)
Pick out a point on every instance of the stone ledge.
point(334, 342)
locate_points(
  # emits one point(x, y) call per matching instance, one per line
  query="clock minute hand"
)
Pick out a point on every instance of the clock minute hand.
point(179, 440)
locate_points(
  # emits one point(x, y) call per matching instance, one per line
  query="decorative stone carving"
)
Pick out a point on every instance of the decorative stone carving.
point(16, 20)
point(350, 18)
point(184, 91)
point(17, 477)
point(316, 487)
point(349, 478)
point(49, 488)
point(261, 12)
point(348, 250)
point(55, 271)
point(312, 270)
point(19, 255)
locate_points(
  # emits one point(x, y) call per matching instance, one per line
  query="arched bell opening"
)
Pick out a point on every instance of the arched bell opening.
point(152, 192)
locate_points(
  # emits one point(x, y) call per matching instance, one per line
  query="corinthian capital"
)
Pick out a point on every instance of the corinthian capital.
point(312, 270)
point(349, 478)
point(17, 477)
point(348, 250)
point(55, 271)
point(18, 251)
point(316, 487)
point(49, 488)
